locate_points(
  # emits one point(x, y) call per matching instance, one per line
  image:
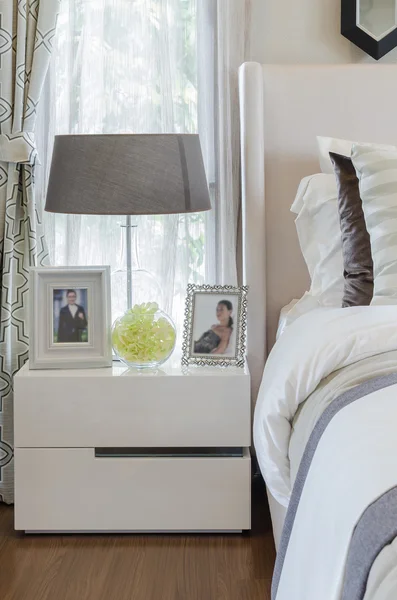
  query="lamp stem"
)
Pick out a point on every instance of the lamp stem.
point(128, 233)
point(130, 255)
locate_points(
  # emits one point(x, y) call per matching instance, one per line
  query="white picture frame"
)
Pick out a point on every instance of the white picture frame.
point(207, 340)
point(53, 342)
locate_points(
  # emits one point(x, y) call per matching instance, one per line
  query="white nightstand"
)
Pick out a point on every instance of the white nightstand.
point(117, 450)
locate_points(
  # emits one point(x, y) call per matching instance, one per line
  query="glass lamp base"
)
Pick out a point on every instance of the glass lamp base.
point(144, 288)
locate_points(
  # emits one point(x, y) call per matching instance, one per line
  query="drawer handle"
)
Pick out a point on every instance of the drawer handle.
point(229, 452)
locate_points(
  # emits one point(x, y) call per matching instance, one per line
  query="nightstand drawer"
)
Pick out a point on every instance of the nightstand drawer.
point(73, 490)
point(105, 407)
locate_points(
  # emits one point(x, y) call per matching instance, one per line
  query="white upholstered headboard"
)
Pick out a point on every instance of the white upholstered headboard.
point(283, 109)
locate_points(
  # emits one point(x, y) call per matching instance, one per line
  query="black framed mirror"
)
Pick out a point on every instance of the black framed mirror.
point(371, 25)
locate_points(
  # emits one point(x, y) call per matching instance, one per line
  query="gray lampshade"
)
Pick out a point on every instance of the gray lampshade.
point(127, 175)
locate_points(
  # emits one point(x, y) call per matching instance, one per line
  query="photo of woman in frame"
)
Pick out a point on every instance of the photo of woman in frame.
point(217, 339)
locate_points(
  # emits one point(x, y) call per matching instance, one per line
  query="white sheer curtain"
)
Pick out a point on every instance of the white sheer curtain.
point(223, 45)
point(151, 66)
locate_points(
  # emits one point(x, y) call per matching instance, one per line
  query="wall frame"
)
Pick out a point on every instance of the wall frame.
point(353, 27)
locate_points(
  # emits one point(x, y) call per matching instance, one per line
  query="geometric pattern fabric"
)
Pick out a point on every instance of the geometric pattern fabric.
point(27, 29)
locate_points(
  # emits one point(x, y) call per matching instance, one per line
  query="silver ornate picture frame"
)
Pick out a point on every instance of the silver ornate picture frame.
point(215, 325)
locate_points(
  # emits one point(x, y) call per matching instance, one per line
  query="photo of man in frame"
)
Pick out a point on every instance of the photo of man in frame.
point(70, 316)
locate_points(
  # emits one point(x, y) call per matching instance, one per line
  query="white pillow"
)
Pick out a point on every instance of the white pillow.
point(319, 233)
point(344, 147)
point(295, 309)
point(283, 321)
point(376, 169)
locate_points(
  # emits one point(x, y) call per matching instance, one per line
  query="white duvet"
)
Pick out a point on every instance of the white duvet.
point(347, 474)
point(310, 349)
point(349, 471)
point(328, 390)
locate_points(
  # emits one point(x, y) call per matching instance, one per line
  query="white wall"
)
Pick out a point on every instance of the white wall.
point(302, 31)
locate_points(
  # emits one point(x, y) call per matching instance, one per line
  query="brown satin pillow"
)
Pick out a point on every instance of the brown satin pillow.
point(356, 247)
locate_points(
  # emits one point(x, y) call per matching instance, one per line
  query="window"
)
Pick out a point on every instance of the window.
point(129, 67)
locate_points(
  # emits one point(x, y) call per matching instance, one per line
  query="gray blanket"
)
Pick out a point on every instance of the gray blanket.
point(378, 524)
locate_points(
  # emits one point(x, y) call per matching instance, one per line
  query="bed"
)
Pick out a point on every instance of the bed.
point(283, 109)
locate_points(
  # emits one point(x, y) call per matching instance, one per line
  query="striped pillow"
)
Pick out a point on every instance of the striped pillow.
point(377, 173)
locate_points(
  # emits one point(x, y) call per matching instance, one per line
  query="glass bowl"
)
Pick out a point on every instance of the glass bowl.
point(144, 337)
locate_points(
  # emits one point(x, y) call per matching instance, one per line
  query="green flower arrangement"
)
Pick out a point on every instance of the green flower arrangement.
point(144, 335)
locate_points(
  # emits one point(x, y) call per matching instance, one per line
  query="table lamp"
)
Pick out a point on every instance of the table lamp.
point(127, 174)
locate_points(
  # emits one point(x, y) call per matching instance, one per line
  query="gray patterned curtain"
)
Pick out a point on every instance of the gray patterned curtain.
point(27, 28)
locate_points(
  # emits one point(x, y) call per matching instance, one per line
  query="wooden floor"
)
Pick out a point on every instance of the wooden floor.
point(127, 567)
